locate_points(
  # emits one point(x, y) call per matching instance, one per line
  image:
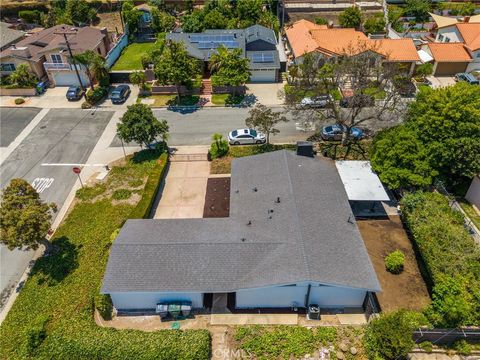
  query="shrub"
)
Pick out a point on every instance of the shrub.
point(30, 16)
point(19, 101)
point(426, 346)
point(90, 192)
point(320, 21)
point(103, 303)
point(35, 335)
point(22, 77)
point(121, 194)
point(394, 262)
point(462, 347)
point(86, 105)
point(390, 336)
point(219, 147)
point(97, 94)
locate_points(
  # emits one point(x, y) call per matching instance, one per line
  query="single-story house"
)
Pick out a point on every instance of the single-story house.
point(305, 37)
point(290, 240)
point(258, 44)
point(9, 36)
point(47, 54)
point(473, 193)
point(464, 33)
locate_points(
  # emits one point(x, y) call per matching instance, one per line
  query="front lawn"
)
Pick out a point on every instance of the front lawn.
point(223, 165)
point(52, 317)
point(131, 57)
point(226, 99)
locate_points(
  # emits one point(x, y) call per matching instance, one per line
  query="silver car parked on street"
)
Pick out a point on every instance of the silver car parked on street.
point(246, 137)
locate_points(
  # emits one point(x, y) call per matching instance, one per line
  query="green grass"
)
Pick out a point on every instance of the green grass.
point(226, 99)
point(52, 318)
point(471, 213)
point(131, 57)
point(169, 100)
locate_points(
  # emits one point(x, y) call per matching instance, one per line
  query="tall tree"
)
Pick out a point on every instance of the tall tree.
point(138, 124)
point(444, 123)
point(264, 120)
point(351, 17)
point(24, 218)
point(131, 16)
point(229, 67)
point(418, 8)
point(79, 12)
point(162, 21)
point(174, 66)
point(368, 77)
point(94, 65)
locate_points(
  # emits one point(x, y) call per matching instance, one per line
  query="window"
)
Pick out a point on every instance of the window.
point(440, 37)
point(478, 55)
point(56, 58)
point(8, 67)
point(447, 39)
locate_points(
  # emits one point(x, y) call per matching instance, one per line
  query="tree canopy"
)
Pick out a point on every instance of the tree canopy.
point(264, 119)
point(138, 124)
point(229, 67)
point(94, 65)
point(418, 8)
point(24, 218)
point(440, 138)
point(351, 17)
point(131, 16)
point(22, 77)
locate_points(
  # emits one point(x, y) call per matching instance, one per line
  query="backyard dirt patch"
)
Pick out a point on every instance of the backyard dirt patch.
point(406, 290)
point(217, 199)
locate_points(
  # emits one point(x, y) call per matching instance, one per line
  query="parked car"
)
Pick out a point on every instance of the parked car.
point(319, 101)
point(246, 137)
point(358, 100)
point(74, 93)
point(120, 94)
point(469, 78)
point(335, 132)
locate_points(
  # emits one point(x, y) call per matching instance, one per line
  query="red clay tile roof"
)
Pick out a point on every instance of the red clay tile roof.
point(299, 37)
point(449, 52)
point(398, 49)
point(471, 34)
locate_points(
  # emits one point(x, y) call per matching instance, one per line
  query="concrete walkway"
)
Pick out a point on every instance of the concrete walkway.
point(185, 186)
point(253, 319)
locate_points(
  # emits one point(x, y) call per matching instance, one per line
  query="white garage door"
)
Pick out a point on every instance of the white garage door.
point(263, 75)
point(67, 78)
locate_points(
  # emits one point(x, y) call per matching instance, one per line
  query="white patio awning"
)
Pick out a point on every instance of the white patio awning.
point(360, 182)
point(424, 56)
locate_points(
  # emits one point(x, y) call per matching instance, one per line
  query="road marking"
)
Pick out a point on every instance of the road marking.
point(41, 184)
point(25, 132)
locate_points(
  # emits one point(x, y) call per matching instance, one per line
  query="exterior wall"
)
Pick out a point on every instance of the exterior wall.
point(18, 92)
point(149, 300)
point(449, 34)
point(288, 296)
point(475, 64)
point(36, 67)
point(114, 53)
point(473, 193)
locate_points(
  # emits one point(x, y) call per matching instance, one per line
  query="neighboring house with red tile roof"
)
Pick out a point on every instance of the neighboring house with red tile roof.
point(47, 55)
point(465, 34)
point(305, 37)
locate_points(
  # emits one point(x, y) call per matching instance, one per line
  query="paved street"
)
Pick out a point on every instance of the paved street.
point(62, 136)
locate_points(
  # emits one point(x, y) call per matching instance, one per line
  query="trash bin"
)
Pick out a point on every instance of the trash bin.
point(313, 312)
point(162, 310)
point(186, 309)
point(41, 87)
point(174, 310)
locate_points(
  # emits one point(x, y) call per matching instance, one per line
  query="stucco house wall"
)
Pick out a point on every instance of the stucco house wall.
point(35, 66)
point(448, 34)
point(473, 193)
point(149, 300)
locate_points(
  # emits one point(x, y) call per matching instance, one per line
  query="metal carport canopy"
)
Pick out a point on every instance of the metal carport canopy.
point(360, 182)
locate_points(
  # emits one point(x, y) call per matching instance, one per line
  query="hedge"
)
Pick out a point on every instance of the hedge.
point(451, 257)
point(52, 317)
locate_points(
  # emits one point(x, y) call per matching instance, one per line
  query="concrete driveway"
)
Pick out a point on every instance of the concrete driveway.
point(441, 81)
point(185, 187)
point(266, 94)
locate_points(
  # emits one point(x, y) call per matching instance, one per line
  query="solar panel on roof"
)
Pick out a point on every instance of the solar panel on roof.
point(262, 57)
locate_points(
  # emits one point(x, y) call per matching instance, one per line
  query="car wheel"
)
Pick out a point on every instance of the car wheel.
point(259, 142)
point(236, 143)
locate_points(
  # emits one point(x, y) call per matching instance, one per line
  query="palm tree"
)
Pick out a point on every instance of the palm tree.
point(94, 65)
point(218, 59)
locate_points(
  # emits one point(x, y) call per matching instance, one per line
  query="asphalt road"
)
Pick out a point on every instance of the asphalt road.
point(62, 136)
point(13, 121)
point(197, 128)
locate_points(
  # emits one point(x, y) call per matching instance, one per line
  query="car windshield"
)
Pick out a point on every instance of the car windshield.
point(234, 133)
point(253, 133)
point(116, 93)
point(71, 91)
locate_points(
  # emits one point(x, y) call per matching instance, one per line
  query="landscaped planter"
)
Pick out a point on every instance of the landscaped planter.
point(18, 92)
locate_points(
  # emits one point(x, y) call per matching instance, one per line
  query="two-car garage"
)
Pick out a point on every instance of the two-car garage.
point(450, 68)
point(68, 78)
point(263, 75)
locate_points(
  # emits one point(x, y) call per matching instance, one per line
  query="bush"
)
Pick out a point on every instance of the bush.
point(19, 101)
point(394, 262)
point(86, 105)
point(30, 16)
point(121, 194)
point(320, 21)
point(98, 94)
point(35, 335)
point(219, 147)
point(22, 77)
point(462, 347)
point(90, 192)
point(103, 303)
point(389, 337)
point(426, 346)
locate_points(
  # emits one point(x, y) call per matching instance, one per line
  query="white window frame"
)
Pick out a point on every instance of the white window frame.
point(8, 67)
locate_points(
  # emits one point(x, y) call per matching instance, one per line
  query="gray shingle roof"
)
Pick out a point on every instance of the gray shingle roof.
point(9, 36)
point(311, 235)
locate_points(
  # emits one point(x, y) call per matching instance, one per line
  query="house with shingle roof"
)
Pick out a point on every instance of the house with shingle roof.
point(457, 45)
point(46, 53)
point(304, 37)
point(290, 240)
point(9, 36)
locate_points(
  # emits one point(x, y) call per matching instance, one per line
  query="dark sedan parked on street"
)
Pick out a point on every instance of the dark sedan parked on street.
point(335, 132)
point(120, 94)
